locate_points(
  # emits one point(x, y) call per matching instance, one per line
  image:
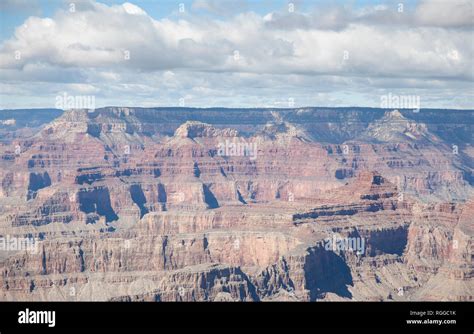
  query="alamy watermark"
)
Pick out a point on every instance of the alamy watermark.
point(37, 317)
point(176, 197)
point(240, 148)
point(9, 122)
point(66, 101)
point(338, 243)
point(391, 101)
point(11, 243)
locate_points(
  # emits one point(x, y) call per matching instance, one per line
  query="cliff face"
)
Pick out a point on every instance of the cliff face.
point(137, 204)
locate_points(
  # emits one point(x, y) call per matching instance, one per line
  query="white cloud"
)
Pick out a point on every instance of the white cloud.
point(428, 13)
point(457, 13)
point(100, 47)
point(132, 9)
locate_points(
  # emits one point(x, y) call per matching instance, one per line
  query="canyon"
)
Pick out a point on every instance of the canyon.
point(141, 204)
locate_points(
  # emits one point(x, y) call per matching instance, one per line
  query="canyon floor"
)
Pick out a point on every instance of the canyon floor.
point(183, 204)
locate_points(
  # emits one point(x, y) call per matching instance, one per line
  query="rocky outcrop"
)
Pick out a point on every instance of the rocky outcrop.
point(197, 129)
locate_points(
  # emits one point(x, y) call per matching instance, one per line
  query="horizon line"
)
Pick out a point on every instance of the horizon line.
point(249, 108)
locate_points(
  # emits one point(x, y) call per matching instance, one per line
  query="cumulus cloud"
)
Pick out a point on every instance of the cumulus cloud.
point(428, 13)
point(101, 46)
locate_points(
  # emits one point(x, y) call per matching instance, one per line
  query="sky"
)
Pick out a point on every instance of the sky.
point(222, 53)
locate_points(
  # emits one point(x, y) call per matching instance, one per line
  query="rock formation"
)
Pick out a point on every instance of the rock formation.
point(132, 204)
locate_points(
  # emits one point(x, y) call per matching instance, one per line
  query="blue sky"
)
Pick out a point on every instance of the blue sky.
point(236, 53)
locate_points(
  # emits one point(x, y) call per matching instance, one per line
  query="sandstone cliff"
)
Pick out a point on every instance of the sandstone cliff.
point(134, 204)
